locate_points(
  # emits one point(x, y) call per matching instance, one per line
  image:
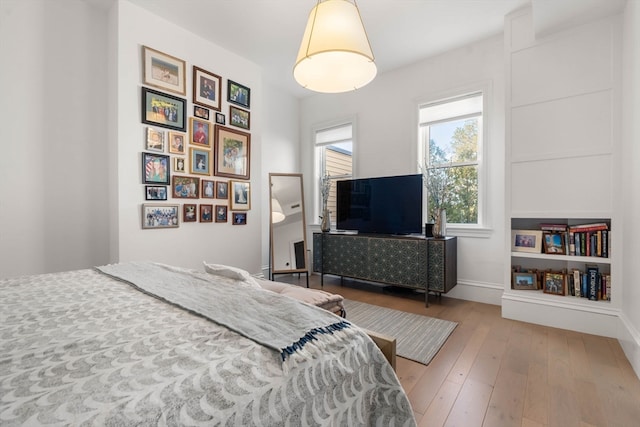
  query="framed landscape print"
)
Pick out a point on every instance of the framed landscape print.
point(160, 216)
point(199, 132)
point(240, 195)
point(199, 161)
point(221, 213)
point(238, 94)
point(525, 281)
point(206, 88)
point(163, 71)
point(185, 187)
point(239, 117)
point(232, 153)
point(160, 109)
point(155, 168)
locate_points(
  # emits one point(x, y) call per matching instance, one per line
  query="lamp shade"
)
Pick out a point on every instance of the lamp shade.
point(335, 55)
point(277, 214)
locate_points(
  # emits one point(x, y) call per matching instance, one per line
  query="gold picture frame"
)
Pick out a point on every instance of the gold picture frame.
point(163, 71)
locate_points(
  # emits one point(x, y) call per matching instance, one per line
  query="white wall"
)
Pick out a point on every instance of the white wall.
point(386, 144)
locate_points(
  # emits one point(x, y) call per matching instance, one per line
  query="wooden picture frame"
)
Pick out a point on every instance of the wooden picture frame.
point(201, 112)
point(155, 140)
point(185, 187)
point(221, 213)
point(206, 213)
point(239, 117)
point(238, 94)
point(161, 109)
point(240, 192)
point(222, 190)
point(199, 161)
point(189, 212)
point(525, 281)
point(155, 192)
point(208, 190)
point(526, 241)
point(553, 283)
point(554, 243)
point(232, 153)
point(199, 132)
point(155, 168)
point(179, 165)
point(176, 142)
point(163, 71)
point(206, 88)
point(160, 216)
point(239, 218)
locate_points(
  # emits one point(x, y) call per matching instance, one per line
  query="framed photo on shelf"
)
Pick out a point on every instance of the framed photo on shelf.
point(155, 140)
point(155, 168)
point(239, 218)
point(553, 283)
point(155, 192)
point(185, 187)
point(201, 112)
point(232, 153)
point(161, 109)
point(206, 213)
point(160, 216)
point(240, 195)
point(176, 142)
point(199, 132)
point(208, 189)
point(199, 161)
point(189, 212)
point(526, 241)
point(206, 89)
point(554, 243)
point(163, 71)
point(525, 281)
point(221, 213)
point(222, 190)
point(238, 94)
point(239, 117)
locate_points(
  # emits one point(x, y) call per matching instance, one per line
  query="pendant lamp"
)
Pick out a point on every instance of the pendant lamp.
point(277, 214)
point(335, 54)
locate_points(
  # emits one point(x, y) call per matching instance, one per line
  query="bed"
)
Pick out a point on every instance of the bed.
point(151, 344)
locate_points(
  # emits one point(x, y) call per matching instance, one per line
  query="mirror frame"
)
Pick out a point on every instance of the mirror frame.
point(304, 227)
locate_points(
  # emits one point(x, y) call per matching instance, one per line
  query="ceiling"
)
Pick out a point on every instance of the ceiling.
point(401, 32)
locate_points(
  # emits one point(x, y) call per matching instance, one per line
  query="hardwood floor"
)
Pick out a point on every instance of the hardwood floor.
point(496, 372)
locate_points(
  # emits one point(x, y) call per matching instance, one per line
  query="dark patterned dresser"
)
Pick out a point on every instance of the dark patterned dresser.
point(416, 262)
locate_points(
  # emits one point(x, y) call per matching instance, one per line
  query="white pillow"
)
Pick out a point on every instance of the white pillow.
point(232, 273)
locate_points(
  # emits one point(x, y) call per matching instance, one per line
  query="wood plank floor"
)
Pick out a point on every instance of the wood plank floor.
point(495, 372)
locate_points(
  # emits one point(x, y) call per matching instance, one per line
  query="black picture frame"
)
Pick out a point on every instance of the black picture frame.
point(162, 109)
point(156, 169)
point(155, 192)
point(238, 94)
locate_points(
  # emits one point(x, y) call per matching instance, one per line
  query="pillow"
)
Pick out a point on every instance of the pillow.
point(232, 273)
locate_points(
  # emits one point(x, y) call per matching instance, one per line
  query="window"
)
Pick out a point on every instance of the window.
point(451, 151)
point(334, 158)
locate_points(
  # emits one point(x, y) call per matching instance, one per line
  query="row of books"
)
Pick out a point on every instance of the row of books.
point(592, 239)
point(589, 283)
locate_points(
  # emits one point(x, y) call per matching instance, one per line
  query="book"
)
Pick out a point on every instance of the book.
point(572, 242)
point(553, 227)
point(593, 282)
point(577, 281)
point(590, 227)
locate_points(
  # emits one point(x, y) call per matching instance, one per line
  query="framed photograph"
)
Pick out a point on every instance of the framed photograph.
point(220, 119)
point(155, 192)
point(176, 142)
point(239, 218)
point(155, 140)
point(525, 281)
point(201, 112)
point(206, 88)
point(222, 190)
point(240, 195)
point(554, 243)
point(189, 212)
point(238, 94)
point(160, 216)
point(199, 132)
point(155, 168)
point(232, 153)
point(206, 213)
point(553, 283)
point(221, 213)
point(208, 189)
point(164, 71)
point(526, 241)
point(185, 187)
point(160, 109)
point(199, 161)
point(179, 165)
point(239, 117)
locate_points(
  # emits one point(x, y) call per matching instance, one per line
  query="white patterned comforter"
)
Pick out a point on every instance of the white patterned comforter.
point(80, 348)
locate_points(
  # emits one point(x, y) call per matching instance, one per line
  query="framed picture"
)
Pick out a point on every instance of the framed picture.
point(178, 165)
point(525, 281)
point(163, 110)
point(160, 216)
point(240, 195)
point(220, 119)
point(176, 142)
point(185, 187)
point(155, 192)
point(554, 243)
point(239, 218)
point(208, 189)
point(189, 212)
point(553, 283)
point(155, 140)
point(239, 117)
point(206, 88)
point(155, 168)
point(232, 153)
point(199, 161)
point(201, 112)
point(526, 241)
point(221, 213)
point(164, 71)
point(238, 94)
point(199, 132)
point(206, 213)
point(222, 190)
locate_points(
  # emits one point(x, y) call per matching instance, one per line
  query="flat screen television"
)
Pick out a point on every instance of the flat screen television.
point(384, 205)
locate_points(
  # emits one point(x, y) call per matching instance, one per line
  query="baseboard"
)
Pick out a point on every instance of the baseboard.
point(487, 293)
point(629, 339)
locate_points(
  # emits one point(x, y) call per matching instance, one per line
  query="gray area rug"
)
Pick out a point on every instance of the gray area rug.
point(417, 337)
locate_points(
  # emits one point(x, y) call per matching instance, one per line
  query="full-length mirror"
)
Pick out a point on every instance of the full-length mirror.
point(288, 228)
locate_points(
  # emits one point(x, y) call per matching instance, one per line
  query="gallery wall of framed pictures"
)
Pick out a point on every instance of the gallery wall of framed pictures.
point(195, 168)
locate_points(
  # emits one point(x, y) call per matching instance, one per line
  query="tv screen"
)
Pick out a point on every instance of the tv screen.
point(385, 205)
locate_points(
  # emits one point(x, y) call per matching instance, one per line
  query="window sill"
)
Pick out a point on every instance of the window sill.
point(475, 231)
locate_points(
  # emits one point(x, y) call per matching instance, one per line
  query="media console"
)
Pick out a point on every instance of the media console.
point(416, 262)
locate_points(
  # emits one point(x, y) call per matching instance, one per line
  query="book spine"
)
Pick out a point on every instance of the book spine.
point(605, 244)
point(572, 242)
point(592, 273)
point(576, 282)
